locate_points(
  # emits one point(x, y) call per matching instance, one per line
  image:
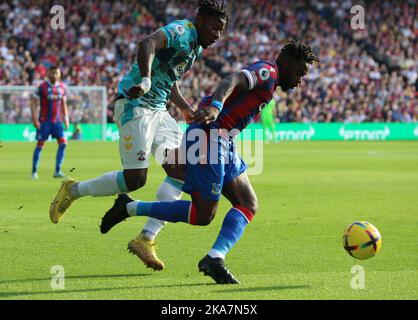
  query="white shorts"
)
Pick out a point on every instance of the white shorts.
point(143, 132)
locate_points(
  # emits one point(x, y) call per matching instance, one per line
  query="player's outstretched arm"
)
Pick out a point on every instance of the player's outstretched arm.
point(237, 81)
point(181, 102)
point(147, 49)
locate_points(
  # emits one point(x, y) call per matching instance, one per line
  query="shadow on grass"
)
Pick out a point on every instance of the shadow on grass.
point(87, 276)
point(54, 292)
point(273, 288)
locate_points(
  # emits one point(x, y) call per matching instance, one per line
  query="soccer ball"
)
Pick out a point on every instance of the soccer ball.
point(362, 240)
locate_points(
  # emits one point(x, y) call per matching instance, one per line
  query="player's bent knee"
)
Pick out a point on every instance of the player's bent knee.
point(135, 184)
point(253, 206)
point(205, 215)
point(249, 204)
point(134, 181)
point(204, 220)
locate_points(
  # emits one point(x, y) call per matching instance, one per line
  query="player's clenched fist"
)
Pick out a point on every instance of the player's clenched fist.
point(205, 115)
point(139, 90)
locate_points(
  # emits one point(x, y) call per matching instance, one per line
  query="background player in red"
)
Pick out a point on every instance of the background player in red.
point(235, 102)
point(51, 120)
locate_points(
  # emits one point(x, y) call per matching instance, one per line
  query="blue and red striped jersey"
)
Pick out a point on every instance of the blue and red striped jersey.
point(241, 107)
point(51, 101)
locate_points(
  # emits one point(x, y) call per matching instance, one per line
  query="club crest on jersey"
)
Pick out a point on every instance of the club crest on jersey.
point(264, 73)
point(216, 188)
point(179, 29)
point(179, 69)
point(141, 155)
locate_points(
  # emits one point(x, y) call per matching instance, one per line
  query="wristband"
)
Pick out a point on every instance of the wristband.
point(217, 104)
point(145, 84)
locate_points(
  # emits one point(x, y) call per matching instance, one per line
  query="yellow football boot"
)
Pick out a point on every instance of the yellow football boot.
point(62, 201)
point(144, 249)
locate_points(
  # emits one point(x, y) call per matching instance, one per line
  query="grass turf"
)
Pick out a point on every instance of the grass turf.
point(308, 193)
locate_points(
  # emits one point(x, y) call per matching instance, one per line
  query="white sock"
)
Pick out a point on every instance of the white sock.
point(169, 190)
point(216, 254)
point(108, 184)
point(131, 208)
point(152, 228)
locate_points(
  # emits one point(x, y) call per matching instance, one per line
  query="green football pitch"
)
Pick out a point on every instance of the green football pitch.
point(308, 193)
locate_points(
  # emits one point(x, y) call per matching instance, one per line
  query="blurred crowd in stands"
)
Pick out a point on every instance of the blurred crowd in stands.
point(363, 75)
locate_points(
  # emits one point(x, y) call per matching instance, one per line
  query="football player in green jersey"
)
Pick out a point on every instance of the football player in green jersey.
point(145, 126)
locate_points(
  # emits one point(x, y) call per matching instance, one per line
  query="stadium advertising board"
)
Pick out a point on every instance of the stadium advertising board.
point(284, 132)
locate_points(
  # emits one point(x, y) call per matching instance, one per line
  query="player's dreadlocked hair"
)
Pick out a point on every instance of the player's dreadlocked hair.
point(298, 50)
point(212, 7)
